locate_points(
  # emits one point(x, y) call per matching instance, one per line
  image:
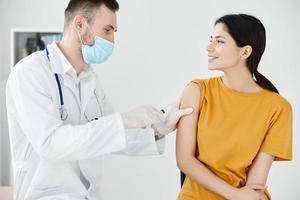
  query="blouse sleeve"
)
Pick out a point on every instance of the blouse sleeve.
point(201, 84)
point(278, 140)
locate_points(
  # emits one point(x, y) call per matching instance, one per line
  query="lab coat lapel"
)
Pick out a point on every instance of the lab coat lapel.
point(88, 86)
point(60, 65)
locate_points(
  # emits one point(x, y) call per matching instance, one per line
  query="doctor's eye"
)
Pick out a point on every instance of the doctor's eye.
point(108, 30)
point(220, 42)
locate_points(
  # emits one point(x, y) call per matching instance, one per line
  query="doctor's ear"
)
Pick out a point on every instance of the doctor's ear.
point(246, 52)
point(79, 23)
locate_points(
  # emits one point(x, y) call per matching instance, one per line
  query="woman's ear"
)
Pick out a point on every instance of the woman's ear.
point(246, 52)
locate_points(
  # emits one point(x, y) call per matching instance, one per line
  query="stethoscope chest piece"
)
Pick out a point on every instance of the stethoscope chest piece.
point(63, 113)
point(62, 110)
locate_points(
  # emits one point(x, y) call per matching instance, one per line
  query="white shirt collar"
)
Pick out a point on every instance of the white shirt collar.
point(61, 65)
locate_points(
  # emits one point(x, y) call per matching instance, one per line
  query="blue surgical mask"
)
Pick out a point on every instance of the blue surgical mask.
point(99, 52)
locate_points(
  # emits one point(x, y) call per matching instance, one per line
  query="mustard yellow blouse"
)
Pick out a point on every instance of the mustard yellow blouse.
point(232, 128)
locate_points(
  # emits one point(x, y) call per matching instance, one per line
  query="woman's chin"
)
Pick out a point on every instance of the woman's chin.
point(215, 67)
point(212, 67)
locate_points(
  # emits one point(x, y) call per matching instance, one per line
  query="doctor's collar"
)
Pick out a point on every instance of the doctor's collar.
point(61, 65)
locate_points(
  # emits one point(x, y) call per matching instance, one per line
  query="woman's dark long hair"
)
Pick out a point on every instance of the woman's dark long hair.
point(248, 30)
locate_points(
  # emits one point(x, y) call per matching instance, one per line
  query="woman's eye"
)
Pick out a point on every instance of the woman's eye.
point(220, 42)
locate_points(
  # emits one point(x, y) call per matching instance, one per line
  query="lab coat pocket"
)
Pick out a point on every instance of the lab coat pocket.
point(48, 180)
point(42, 192)
point(55, 178)
point(52, 189)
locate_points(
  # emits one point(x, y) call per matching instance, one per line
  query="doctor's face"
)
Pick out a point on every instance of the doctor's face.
point(223, 53)
point(103, 24)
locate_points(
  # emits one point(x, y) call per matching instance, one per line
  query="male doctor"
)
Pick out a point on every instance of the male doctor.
point(60, 121)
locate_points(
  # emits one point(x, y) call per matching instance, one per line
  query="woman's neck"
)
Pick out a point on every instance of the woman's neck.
point(240, 79)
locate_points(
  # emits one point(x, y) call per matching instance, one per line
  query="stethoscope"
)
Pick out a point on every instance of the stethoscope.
point(62, 110)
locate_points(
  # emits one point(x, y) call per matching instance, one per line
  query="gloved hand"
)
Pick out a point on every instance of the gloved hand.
point(142, 116)
point(172, 114)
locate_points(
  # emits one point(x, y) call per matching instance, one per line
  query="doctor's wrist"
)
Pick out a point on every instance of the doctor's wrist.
point(157, 134)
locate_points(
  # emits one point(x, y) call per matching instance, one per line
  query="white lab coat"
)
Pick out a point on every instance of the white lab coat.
point(55, 159)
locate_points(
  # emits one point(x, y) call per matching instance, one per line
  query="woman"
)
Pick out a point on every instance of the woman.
point(240, 123)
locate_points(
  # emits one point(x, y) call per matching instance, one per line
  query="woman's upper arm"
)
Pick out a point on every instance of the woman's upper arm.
point(187, 126)
point(259, 170)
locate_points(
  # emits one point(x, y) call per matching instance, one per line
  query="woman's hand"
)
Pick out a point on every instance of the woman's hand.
point(249, 192)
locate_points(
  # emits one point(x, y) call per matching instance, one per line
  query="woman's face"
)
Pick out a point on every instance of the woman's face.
point(223, 53)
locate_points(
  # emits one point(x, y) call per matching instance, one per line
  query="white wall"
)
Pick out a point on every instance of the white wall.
point(29, 14)
point(160, 47)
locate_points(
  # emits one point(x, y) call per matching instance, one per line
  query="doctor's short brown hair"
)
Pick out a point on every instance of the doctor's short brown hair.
point(87, 8)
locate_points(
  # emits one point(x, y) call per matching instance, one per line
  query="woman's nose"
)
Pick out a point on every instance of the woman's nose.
point(209, 47)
